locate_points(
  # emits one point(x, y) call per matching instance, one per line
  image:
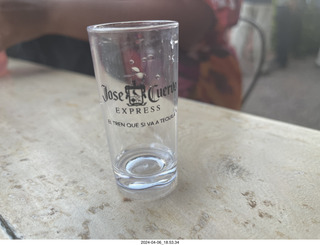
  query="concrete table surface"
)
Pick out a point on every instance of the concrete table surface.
point(240, 176)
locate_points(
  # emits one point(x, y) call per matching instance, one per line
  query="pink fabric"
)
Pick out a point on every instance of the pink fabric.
point(213, 61)
point(227, 13)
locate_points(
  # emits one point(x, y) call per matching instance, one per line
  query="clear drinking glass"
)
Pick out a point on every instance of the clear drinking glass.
point(136, 68)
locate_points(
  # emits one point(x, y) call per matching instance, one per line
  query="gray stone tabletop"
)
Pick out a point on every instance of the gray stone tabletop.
point(240, 176)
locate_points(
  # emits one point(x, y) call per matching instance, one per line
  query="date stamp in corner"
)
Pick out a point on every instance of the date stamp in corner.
point(159, 242)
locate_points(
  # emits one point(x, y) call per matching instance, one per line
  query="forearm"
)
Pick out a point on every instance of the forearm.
point(23, 20)
point(73, 16)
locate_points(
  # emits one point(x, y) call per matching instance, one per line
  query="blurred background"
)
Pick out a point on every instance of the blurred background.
point(288, 84)
point(277, 43)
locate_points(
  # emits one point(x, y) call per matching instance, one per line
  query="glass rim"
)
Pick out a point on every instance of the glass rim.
point(132, 26)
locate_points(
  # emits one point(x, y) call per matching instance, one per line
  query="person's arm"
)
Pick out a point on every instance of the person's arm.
point(27, 19)
point(3, 64)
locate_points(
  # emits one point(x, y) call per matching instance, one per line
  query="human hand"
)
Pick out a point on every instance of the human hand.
point(3, 64)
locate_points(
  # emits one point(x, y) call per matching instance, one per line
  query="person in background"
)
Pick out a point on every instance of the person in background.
point(53, 32)
point(283, 35)
point(317, 61)
point(297, 8)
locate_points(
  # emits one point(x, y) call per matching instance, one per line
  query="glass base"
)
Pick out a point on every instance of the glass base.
point(149, 194)
point(146, 173)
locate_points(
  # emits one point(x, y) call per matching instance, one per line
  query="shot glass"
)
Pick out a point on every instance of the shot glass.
point(136, 68)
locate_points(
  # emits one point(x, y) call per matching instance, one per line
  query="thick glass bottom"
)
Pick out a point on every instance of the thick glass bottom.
point(146, 173)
